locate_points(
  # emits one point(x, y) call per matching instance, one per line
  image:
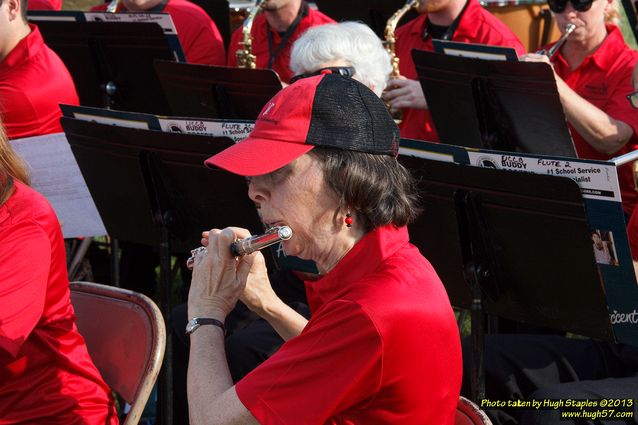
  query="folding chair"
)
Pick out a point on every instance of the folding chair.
point(468, 413)
point(125, 335)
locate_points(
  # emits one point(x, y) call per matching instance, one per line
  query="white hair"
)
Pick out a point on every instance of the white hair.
point(352, 42)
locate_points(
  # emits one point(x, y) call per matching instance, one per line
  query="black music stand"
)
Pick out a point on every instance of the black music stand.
point(506, 106)
point(516, 245)
point(216, 91)
point(374, 13)
point(112, 62)
point(152, 188)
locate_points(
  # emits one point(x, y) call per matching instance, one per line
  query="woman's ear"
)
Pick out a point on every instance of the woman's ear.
point(14, 8)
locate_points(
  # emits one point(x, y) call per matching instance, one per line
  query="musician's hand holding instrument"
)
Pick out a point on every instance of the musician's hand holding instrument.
point(219, 277)
point(398, 100)
point(546, 55)
point(257, 294)
point(404, 93)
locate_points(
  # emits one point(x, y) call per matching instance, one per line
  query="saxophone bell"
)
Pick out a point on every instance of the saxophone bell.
point(390, 41)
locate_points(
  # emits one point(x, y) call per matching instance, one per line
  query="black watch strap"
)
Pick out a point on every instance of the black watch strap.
point(195, 323)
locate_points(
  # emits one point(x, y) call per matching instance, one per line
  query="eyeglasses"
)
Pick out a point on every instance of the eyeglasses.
point(346, 71)
point(559, 6)
point(633, 99)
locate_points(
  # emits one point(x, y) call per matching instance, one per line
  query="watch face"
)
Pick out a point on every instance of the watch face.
point(191, 325)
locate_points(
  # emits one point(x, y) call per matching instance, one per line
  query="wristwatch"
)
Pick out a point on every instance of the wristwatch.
point(196, 322)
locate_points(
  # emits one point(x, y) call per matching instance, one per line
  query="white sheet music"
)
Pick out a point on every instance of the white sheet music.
point(56, 175)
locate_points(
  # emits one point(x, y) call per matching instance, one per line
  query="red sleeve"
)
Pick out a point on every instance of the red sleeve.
point(25, 257)
point(618, 107)
point(202, 42)
point(45, 5)
point(335, 363)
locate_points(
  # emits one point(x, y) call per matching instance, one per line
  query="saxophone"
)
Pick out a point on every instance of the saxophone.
point(390, 41)
point(245, 57)
point(112, 6)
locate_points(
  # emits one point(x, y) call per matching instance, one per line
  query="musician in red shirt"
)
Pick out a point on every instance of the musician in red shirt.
point(456, 20)
point(33, 79)
point(274, 30)
point(197, 33)
point(382, 344)
point(46, 374)
point(593, 74)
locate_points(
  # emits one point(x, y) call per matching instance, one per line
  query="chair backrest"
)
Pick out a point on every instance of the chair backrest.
point(468, 413)
point(125, 335)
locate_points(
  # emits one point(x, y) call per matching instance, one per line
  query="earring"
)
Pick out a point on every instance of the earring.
point(348, 219)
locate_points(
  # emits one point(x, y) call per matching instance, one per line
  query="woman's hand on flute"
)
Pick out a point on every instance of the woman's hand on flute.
point(258, 294)
point(219, 278)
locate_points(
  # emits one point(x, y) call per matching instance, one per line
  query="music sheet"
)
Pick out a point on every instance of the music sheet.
point(56, 175)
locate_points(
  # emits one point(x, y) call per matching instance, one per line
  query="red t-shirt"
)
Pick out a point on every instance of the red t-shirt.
point(46, 374)
point(604, 79)
point(259, 32)
point(197, 33)
point(476, 25)
point(33, 82)
point(45, 5)
point(382, 346)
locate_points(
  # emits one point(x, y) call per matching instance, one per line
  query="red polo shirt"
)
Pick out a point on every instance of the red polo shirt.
point(46, 374)
point(259, 33)
point(45, 5)
point(33, 82)
point(382, 346)
point(197, 33)
point(476, 25)
point(604, 79)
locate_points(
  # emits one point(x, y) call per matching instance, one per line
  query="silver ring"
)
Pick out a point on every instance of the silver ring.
point(194, 253)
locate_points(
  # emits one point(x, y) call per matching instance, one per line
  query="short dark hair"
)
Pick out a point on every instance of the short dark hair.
point(377, 187)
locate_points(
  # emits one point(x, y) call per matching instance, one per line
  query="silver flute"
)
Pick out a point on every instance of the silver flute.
point(569, 28)
point(249, 245)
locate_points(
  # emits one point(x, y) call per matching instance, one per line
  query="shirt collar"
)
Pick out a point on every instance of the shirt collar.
point(607, 52)
point(363, 258)
point(26, 49)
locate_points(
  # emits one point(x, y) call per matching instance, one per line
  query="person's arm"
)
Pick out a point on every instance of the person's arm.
point(25, 260)
point(218, 281)
point(286, 321)
point(212, 398)
point(601, 131)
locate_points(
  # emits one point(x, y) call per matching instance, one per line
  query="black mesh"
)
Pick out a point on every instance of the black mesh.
point(348, 115)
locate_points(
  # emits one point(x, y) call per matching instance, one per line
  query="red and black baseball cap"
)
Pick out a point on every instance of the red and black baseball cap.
point(327, 110)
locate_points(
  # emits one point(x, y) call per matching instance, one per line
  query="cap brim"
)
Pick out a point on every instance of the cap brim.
point(255, 157)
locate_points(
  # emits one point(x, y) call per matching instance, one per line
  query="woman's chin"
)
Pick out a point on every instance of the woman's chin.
point(290, 249)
